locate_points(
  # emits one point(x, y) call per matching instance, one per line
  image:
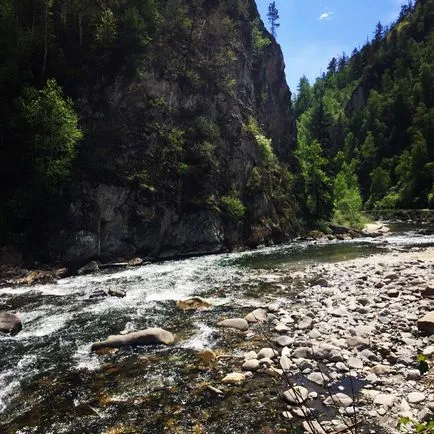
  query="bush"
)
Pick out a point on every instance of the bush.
point(264, 143)
point(259, 40)
point(54, 134)
point(233, 207)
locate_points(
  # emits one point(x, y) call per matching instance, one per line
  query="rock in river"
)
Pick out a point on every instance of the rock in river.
point(234, 323)
point(339, 400)
point(10, 323)
point(296, 395)
point(117, 292)
point(258, 315)
point(150, 336)
point(233, 378)
point(91, 267)
point(193, 303)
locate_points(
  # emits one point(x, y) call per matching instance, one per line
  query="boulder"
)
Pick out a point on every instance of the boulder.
point(151, 336)
point(116, 292)
point(36, 277)
point(234, 323)
point(135, 262)
point(426, 324)
point(193, 303)
point(258, 315)
point(91, 267)
point(10, 323)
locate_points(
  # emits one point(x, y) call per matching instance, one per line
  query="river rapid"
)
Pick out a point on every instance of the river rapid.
point(50, 381)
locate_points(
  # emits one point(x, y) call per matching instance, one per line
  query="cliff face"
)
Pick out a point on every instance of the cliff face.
point(173, 161)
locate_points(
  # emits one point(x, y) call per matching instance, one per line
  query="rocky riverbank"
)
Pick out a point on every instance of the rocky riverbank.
point(351, 340)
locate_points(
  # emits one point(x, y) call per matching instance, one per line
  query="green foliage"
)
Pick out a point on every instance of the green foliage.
point(423, 363)
point(260, 40)
point(377, 107)
point(233, 207)
point(347, 197)
point(409, 426)
point(317, 185)
point(264, 143)
point(273, 17)
point(54, 133)
point(106, 29)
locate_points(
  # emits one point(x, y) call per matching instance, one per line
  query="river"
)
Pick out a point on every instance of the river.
point(50, 382)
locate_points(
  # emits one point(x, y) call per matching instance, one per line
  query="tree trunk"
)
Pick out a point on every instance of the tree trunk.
point(45, 37)
point(80, 28)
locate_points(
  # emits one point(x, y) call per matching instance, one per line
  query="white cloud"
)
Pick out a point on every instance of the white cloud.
point(326, 16)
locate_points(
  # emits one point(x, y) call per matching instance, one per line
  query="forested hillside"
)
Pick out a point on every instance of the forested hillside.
point(366, 127)
point(158, 127)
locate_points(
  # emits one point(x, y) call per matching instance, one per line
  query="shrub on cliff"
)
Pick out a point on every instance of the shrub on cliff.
point(53, 129)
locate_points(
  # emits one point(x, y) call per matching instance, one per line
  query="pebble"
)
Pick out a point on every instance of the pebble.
point(339, 400)
point(251, 365)
point(416, 397)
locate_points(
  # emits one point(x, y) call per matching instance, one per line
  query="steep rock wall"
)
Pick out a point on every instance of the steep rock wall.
point(165, 145)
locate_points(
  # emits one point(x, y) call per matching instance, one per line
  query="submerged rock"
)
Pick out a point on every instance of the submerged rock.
point(35, 277)
point(117, 292)
point(234, 323)
point(151, 336)
point(91, 267)
point(10, 323)
point(193, 303)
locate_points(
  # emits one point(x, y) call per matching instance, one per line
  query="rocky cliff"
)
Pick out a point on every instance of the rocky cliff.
point(176, 157)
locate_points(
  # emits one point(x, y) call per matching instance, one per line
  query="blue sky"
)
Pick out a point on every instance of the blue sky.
point(311, 32)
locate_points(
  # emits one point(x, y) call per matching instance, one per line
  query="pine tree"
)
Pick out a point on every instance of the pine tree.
point(273, 17)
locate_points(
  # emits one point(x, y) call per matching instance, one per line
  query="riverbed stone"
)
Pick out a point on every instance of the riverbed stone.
point(416, 397)
point(258, 315)
point(250, 355)
point(318, 378)
point(234, 378)
point(305, 323)
point(385, 400)
point(355, 363)
point(234, 323)
point(381, 370)
point(251, 365)
point(114, 292)
point(338, 400)
point(151, 336)
point(10, 323)
point(267, 353)
point(193, 303)
point(284, 341)
point(91, 267)
point(296, 395)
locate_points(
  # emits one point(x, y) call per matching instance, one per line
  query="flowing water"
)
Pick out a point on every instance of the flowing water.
point(50, 382)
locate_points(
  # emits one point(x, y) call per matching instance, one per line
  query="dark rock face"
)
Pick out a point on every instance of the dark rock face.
point(10, 323)
point(137, 193)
